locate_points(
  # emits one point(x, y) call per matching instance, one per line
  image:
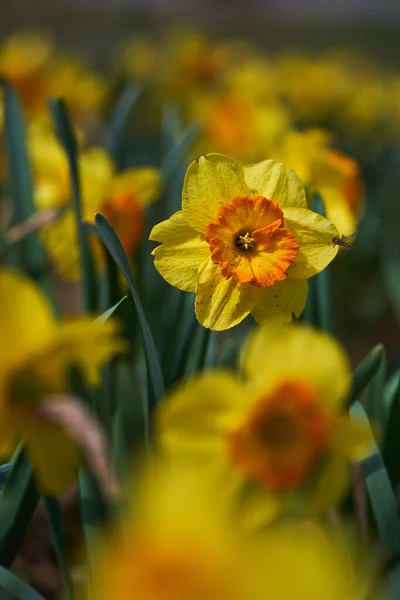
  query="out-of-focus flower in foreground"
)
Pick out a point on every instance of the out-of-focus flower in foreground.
point(336, 176)
point(181, 542)
point(36, 353)
point(283, 427)
point(244, 241)
point(122, 197)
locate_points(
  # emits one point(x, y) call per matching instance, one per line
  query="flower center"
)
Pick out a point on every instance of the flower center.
point(126, 215)
point(249, 241)
point(282, 438)
point(245, 241)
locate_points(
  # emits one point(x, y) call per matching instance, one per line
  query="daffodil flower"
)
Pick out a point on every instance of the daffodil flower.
point(35, 355)
point(282, 428)
point(244, 241)
point(121, 197)
point(180, 541)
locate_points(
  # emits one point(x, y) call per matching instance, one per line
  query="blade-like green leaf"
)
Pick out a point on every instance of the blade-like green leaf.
point(20, 179)
point(380, 492)
point(114, 246)
point(12, 588)
point(54, 516)
point(119, 122)
point(319, 309)
point(365, 371)
point(374, 400)
point(66, 135)
point(391, 439)
point(107, 314)
point(17, 505)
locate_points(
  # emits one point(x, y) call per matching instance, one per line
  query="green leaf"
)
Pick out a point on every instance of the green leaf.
point(319, 309)
point(365, 372)
point(380, 492)
point(172, 161)
point(12, 588)
point(54, 516)
point(18, 502)
point(119, 122)
point(107, 314)
point(374, 401)
point(391, 439)
point(114, 246)
point(20, 179)
point(67, 138)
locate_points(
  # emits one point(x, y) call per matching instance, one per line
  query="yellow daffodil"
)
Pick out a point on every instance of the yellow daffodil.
point(282, 428)
point(23, 59)
point(235, 124)
point(122, 197)
point(180, 541)
point(137, 59)
point(176, 545)
point(70, 78)
point(244, 241)
point(36, 353)
point(336, 176)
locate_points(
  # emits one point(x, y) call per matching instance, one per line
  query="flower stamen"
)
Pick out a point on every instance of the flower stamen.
point(245, 241)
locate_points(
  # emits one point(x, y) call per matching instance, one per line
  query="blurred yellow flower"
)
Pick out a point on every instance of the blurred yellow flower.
point(122, 197)
point(283, 426)
point(35, 355)
point(244, 241)
point(336, 176)
point(313, 86)
point(137, 59)
point(237, 125)
point(23, 59)
point(84, 90)
point(180, 541)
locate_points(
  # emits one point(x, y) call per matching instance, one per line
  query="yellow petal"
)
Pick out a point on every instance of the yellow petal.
point(314, 235)
point(79, 342)
point(96, 171)
point(270, 179)
point(298, 351)
point(55, 457)
point(349, 439)
point(330, 487)
point(278, 302)
point(339, 212)
point(144, 182)
point(222, 303)
point(183, 251)
point(213, 181)
point(26, 319)
point(194, 417)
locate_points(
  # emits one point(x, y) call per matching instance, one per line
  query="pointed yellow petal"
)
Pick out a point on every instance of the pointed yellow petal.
point(181, 254)
point(80, 342)
point(298, 351)
point(213, 181)
point(350, 439)
point(339, 212)
point(26, 319)
point(278, 302)
point(270, 179)
point(222, 303)
point(194, 417)
point(314, 235)
point(330, 487)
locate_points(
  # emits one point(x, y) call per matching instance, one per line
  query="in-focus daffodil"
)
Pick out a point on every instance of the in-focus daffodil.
point(36, 353)
point(122, 197)
point(244, 241)
point(282, 428)
point(333, 174)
